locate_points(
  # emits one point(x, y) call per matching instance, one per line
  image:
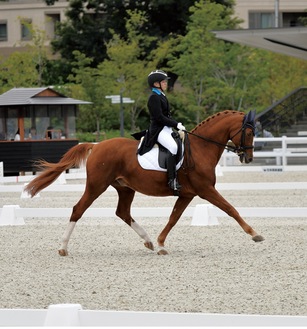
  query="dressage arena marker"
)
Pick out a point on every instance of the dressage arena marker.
point(208, 213)
point(25, 195)
point(72, 315)
point(202, 214)
point(8, 216)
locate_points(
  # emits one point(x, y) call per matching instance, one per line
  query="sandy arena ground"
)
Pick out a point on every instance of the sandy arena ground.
point(211, 269)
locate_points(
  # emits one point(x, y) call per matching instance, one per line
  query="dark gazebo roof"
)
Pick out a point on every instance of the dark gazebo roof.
point(36, 96)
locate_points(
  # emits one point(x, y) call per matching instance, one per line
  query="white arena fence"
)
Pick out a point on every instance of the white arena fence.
point(72, 315)
point(281, 152)
point(202, 214)
point(18, 188)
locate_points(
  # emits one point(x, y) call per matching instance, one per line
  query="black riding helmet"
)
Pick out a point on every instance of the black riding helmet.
point(156, 76)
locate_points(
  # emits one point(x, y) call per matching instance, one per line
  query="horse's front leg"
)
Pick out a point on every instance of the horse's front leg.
point(214, 197)
point(177, 211)
point(125, 198)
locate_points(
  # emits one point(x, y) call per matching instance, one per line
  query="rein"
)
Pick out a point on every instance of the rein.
point(226, 146)
point(239, 150)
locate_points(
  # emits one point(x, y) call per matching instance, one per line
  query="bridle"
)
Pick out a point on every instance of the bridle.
point(239, 150)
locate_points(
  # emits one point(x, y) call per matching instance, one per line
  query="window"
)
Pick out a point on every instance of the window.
point(3, 31)
point(51, 21)
point(293, 19)
point(267, 20)
point(261, 20)
point(26, 29)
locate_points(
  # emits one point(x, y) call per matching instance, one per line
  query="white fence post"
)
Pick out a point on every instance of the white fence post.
point(26, 195)
point(203, 216)
point(63, 315)
point(284, 150)
point(8, 216)
point(1, 172)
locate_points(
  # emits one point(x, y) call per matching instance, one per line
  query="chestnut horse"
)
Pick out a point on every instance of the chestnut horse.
point(114, 162)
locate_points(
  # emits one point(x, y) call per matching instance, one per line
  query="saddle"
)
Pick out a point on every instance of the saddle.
point(156, 158)
point(164, 153)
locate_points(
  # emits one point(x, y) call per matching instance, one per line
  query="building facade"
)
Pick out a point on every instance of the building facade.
point(270, 13)
point(17, 15)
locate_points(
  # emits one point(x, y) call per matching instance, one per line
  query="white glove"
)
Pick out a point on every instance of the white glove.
point(180, 126)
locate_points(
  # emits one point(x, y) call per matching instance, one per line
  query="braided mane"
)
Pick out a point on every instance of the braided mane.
point(216, 115)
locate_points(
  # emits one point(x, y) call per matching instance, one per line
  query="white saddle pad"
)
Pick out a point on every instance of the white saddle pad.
point(150, 161)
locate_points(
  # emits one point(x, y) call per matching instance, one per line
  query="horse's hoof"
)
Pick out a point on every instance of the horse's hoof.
point(149, 245)
point(63, 252)
point(258, 238)
point(162, 251)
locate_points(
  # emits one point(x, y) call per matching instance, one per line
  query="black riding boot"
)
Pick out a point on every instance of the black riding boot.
point(172, 174)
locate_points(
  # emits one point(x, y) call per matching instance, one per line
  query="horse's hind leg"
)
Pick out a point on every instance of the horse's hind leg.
point(91, 193)
point(123, 211)
point(66, 236)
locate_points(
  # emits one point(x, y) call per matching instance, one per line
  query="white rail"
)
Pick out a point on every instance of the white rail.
point(202, 214)
point(281, 152)
point(69, 315)
point(219, 186)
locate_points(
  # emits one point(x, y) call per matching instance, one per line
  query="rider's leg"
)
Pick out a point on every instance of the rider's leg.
point(172, 174)
point(165, 138)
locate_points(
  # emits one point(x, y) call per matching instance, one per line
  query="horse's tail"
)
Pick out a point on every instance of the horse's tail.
point(74, 157)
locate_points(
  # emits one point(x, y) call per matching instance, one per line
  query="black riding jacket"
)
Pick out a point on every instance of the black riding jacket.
point(160, 116)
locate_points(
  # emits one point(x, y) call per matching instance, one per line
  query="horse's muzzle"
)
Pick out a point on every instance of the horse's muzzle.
point(244, 157)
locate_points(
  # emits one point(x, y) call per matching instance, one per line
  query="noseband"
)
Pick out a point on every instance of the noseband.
point(241, 149)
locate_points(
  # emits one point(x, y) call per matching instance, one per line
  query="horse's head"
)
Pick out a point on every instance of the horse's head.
point(244, 138)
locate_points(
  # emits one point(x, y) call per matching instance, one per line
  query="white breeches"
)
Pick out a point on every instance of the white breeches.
point(165, 138)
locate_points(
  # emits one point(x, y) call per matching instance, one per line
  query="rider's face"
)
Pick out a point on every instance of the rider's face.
point(163, 85)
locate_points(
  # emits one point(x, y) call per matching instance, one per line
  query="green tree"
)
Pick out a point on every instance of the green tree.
point(124, 72)
point(87, 84)
point(26, 68)
point(18, 70)
point(90, 24)
point(126, 67)
point(37, 47)
point(201, 54)
point(282, 75)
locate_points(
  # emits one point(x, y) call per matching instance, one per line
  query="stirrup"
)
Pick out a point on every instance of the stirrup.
point(174, 185)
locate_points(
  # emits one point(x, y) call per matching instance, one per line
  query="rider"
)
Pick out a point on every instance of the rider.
point(161, 124)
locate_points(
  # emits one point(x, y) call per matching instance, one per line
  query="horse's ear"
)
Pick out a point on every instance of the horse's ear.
point(249, 118)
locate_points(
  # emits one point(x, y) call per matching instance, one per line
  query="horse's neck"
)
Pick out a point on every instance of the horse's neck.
point(217, 131)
